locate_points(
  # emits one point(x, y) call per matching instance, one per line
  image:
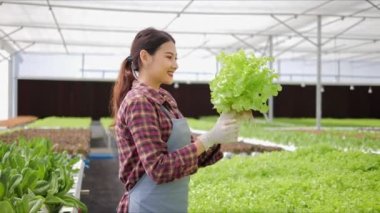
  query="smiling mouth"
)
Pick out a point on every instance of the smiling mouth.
point(170, 74)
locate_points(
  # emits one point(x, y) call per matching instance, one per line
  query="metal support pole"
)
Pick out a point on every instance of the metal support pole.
point(271, 67)
point(319, 68)
point(83, 65)
point(12, 85)
point(15, 84)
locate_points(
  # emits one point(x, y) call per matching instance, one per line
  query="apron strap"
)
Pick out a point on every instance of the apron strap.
point(166, 111)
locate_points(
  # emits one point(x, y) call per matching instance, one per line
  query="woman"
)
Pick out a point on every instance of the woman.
point(157, 152)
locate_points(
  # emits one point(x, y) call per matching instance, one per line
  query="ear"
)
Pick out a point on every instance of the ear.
point(145, 57)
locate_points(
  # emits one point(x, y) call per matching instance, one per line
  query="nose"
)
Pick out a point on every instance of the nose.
point(175, 65)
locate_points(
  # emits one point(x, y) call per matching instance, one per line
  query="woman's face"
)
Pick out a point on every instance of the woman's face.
point(160, 67)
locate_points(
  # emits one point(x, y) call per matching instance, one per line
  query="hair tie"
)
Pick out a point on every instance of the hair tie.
point(129, 58)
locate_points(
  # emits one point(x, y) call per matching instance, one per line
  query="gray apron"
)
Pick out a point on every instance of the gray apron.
point(147, 196)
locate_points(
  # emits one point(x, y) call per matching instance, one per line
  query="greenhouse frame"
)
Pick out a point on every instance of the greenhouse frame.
point(59, 60)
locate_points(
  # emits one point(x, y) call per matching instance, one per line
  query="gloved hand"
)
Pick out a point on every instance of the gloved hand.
point(225, 130)
point(245, 116)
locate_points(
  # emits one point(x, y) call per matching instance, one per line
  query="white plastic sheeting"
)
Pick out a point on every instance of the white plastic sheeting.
point(105, 68)
point(105, 29)
point(4, 93)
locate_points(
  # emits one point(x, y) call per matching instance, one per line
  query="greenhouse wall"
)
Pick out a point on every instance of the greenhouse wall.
point(63, 98)
point(337, 102)
point(194, 69)
point(90, 98)
point(4, 92)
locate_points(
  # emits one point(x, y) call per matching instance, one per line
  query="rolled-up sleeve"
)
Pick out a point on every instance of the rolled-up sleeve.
point(159, 164)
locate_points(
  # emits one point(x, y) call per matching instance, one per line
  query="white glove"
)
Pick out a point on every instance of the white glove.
point(225, 130)
point(245, 116)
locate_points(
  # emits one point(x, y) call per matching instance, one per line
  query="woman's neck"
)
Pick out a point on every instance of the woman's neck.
point(149, 82)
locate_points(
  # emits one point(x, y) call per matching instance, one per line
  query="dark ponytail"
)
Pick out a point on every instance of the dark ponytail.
point(148, 39)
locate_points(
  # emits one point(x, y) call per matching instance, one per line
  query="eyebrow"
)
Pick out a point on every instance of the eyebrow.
point(170, 53)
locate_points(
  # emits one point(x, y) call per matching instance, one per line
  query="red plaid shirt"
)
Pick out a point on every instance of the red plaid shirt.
point(142, 131)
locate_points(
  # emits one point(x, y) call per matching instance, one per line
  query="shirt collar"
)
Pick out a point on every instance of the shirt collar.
point(159, 96)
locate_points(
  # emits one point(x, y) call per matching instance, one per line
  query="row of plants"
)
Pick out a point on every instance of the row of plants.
point(34, 177)
point(61, 122)
point(106, 122)
point(346, 139)
point(74, 141)
point(71, 134)
point(310, 122)
point(330, 122)
point(317, 178)
point(17, 121)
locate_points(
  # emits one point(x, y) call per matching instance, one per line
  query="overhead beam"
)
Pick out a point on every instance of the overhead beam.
point(343, 31)
point(211, 51)
point(341, 49)
point(178, 14)
point(75, 43)
point(352, 46)
point(285, 37)
point(304, 12)
point(374, 5)
point(4, 57)
point(375, 58)
point(4, 44)
point(7, 35)
point(245, 43)
point(323, 25)
point(289, 48)
point(123, 46)
point(185, 12)
point(57, 25)
point(294, 30)
point(119, 30)
point(10, 33)
point(286, 20)
point(306, 31)
point(362, 55)
point(20, 50)
point(192, 50)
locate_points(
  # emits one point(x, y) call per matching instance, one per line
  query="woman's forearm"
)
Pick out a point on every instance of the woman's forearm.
point(200, 146)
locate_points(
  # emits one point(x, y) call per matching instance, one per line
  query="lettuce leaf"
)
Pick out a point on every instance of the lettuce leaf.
point(245, 82)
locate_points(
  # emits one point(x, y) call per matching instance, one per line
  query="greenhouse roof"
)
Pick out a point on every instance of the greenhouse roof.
point(350, 29)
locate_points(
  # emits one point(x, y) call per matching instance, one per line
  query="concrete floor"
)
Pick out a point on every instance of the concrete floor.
point(101, 178)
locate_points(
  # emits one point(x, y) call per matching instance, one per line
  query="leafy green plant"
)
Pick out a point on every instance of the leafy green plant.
point(331, 122)
point(33, 176)
point(245, 82)
point(62, 122)
point(318, 178)
point(343, 139)
point(106, 122)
